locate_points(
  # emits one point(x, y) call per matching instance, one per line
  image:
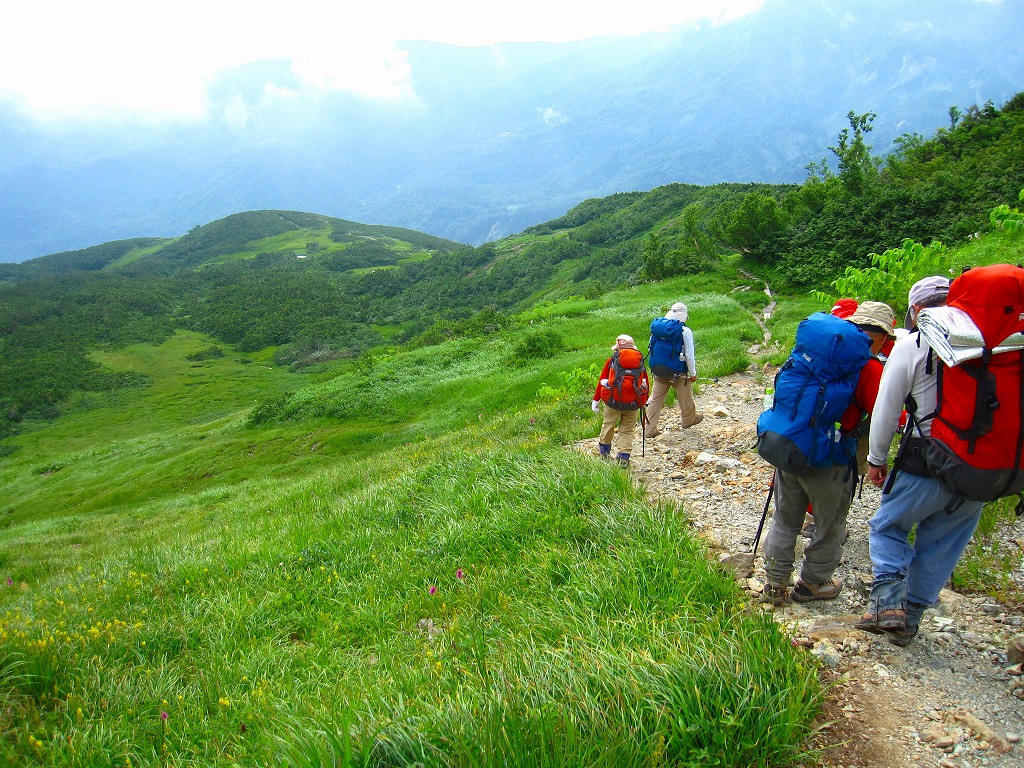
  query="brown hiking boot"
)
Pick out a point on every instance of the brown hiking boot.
point(889, 620)
point(902, 639)
point(805, 593)
point(776, 594)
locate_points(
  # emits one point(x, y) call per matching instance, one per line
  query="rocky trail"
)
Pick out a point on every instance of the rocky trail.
point(953, 698)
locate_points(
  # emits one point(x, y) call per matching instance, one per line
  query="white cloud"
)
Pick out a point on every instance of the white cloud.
point(68, 57)
point(552, 116)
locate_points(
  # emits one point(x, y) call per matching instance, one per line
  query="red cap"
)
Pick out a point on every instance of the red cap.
point(844, 307)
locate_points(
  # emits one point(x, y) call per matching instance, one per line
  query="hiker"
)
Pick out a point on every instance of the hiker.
point(908, 577)
point(828, 483)
point(670, 355)
point(623, 390)
point(874, 318)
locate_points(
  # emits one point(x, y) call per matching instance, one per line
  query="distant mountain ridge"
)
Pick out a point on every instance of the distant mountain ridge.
point(239, 236)
point(508, 136)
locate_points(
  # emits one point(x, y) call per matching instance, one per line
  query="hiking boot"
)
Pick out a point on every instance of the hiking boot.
point(902, 639)
point(697, 420)
point(879, 622)
point(776, 594)
point(805, 593)
point(653, 433)
point(808, 530)
point(623, 459)
point(604, 451)
point(912, 620)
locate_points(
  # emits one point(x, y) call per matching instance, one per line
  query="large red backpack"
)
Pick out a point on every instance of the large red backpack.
point(627, 381)
point(977, 440)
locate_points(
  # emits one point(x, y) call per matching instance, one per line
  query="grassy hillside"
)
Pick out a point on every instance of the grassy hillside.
point(405, 557)
point(262, 509)
point(385, 561)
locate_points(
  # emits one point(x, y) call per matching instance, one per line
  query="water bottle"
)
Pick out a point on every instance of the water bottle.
point(769, 398)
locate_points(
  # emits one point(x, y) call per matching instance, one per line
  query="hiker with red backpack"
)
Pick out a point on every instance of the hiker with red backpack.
point(671, 357)
point(623, 389)
point(961, 447)
point(810, 436)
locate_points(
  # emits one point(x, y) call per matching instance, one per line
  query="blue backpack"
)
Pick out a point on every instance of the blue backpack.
point(800, 433)
point(665, 347)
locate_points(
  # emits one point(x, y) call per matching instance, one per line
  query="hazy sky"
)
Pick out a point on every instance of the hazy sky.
point(98, 58)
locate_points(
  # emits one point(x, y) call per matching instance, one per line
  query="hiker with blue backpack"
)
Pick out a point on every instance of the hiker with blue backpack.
point(673, 366)
point(810, 436)
point(958, 374)
point(623, 388)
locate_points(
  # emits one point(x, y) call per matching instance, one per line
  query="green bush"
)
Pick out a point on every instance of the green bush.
point(537, 345)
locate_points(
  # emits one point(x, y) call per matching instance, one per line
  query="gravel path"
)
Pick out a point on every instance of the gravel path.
point(954, 698)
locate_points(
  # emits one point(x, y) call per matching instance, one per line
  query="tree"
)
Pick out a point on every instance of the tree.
point(654, 255)
point(755, 222)
point(856, 165)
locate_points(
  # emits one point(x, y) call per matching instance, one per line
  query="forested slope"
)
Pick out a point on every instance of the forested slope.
point(313, 287)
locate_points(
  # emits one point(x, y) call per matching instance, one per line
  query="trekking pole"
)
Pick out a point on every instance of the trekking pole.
point(643, 431)
point(708, 378)
point(764, 514)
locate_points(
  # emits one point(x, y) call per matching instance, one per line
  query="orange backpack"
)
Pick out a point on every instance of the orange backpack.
point(627, 381)
point(976, 447)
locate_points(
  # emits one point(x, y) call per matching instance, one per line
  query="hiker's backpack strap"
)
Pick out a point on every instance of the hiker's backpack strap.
point(985, 401)
point(911, 456)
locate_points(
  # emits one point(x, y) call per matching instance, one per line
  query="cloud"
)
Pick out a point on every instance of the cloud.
point(105, 57)
point(551, 116)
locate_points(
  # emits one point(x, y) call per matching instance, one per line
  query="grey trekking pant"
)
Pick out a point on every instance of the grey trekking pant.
point(830, 492)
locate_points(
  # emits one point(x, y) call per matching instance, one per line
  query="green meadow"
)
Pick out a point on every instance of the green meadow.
point(374, 543)
point(396, 559)
point(400, 561)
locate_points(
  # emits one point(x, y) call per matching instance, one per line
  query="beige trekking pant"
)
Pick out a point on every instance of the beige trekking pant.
point(684, 396)
point(620, 439)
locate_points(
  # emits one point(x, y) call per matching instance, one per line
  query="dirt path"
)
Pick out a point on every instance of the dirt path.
point(954, 698)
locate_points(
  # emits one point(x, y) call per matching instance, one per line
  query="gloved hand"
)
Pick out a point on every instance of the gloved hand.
point(595, 406)
point(604, 382)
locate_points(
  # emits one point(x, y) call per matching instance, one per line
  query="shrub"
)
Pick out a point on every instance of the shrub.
point(537, 345)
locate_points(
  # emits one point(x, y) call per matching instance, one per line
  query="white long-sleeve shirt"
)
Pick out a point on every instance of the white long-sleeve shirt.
point(905, 373)
point(691, 363)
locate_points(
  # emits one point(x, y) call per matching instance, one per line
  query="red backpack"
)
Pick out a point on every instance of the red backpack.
point(977, 440)
point(627, 381)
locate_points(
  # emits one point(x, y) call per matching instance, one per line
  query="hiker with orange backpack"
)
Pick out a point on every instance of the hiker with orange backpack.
point(623, 389)
point(961, 447)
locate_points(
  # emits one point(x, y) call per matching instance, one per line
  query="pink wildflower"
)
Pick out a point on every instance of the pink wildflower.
point(459, 574)
point(433, 589)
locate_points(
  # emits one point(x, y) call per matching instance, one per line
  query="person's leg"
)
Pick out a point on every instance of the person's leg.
point(940, 541)
point(684, 397)
point(911, 500)
point(607, 429)
point(623, 441)
point(780, 543)
point(830, 492)
point(659, 390)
